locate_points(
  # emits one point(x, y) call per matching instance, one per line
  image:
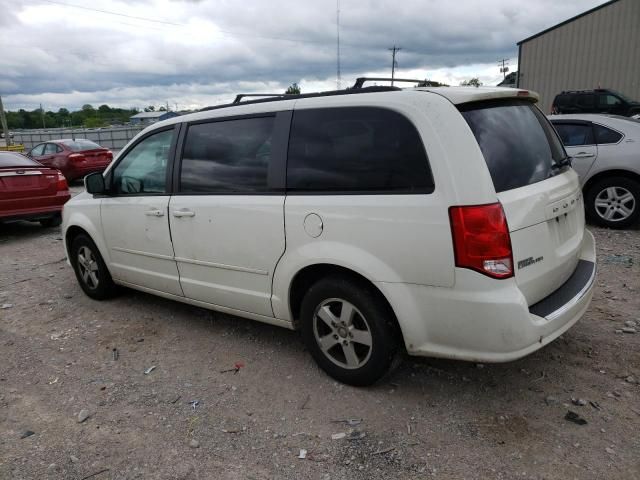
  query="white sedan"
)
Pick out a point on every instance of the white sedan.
point(606, 154)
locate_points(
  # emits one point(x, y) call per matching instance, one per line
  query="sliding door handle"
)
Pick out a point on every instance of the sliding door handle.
point(183, 212)
point(154, 213)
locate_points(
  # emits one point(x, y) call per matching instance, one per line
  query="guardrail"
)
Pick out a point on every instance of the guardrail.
point(12, 148)
point(111, 137)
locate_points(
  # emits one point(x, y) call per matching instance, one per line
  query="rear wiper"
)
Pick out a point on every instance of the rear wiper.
point(563, 162)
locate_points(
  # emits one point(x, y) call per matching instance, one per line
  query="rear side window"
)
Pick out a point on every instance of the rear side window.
point(230, 156)
point(356, 150)
point(575, 134)
point(50, 149)
point(588, 100)
point(562, 100)
point(605, 135)
point(517, 141)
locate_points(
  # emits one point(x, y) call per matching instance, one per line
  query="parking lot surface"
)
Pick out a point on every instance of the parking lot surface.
point(171, 391)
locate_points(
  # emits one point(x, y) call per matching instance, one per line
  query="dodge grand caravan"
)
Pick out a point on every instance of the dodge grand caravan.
point(445, 221)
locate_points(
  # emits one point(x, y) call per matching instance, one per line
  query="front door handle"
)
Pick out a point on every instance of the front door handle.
point(154, 213)
point(184, 213)
point(583, 155)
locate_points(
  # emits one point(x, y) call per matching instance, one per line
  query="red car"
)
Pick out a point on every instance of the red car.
point(74, 158)
point(31, 191)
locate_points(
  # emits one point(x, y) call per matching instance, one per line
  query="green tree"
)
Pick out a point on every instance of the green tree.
point(150, 108)
point(93, 122)
point(87, 107)
point(104, 109)
point(294, 89)
point(431, 83)
point(473, 82)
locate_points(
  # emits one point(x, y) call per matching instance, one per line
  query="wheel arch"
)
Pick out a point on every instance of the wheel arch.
point(607, 174)
point(310, 274)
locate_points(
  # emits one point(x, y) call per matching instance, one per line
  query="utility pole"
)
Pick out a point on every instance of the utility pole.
point(5, 128)
point(393, 51)
point(504, 67)
point(42, 114)
point(338, 76)
point(167, 105)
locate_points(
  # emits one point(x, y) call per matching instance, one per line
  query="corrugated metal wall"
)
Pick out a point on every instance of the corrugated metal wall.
point(601, 49)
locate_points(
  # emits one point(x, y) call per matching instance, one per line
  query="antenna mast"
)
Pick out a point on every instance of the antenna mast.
point(338, 77)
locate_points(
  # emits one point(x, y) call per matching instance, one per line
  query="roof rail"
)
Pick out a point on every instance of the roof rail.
point(240, 96)
point(360, 81)
point(276, 97)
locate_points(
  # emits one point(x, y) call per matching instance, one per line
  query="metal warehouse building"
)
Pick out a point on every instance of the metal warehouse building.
point(599, 48)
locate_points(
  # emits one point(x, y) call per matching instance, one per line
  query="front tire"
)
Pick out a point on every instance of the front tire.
point(614, 202)
point(349, 330)
point(92, 273)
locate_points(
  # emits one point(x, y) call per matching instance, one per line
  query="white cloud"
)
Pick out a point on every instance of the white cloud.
point(198, 53)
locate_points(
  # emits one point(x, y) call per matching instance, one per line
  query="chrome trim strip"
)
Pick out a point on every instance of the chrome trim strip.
point(144, 254)
point(20, 173)
point(193, 262)
point(571, 303)
point(221, 265)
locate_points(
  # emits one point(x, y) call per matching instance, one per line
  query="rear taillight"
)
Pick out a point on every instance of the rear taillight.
point(481, 239)
point(77, 157)
point(110, 155)
point(61, 185)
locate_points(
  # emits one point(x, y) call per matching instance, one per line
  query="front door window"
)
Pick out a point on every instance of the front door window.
point(144, 169)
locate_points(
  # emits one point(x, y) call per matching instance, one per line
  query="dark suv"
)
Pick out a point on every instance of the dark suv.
point(600, 100)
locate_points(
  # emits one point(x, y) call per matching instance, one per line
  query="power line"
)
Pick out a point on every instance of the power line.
point(177, 24)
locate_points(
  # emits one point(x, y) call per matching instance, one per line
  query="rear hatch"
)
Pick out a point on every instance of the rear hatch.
point(27, 187)
point(541, 198)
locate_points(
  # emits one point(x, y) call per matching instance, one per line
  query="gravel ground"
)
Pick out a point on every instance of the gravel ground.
point(64, 355)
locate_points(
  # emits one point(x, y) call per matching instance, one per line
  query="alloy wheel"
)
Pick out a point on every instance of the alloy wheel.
point(88, 267)
point(615, 204)
point(342, 333)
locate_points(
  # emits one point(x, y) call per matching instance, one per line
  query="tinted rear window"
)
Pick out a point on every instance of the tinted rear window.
point(229, 156)
point(8, 159)
point(517, 141)
point(356, 150)
point(80, 144)
point(605, 135)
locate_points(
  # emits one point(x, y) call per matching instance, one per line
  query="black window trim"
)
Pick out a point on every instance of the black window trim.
point(176, 127)
point(277, 163)
point(425, 191)
point(609, 128)
point(576, 122)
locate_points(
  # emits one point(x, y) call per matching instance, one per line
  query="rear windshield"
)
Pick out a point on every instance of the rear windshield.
point(517, 141)
point(80, 144)
point(9, 159)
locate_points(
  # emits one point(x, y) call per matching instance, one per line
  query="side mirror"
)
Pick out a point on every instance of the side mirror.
point(94, 183)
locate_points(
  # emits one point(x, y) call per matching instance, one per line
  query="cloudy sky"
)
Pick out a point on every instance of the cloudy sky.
point(195, 53)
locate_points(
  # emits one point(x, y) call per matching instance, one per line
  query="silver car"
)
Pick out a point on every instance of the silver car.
point(606, 154)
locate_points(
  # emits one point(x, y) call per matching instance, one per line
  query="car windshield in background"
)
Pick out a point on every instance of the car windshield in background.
point(10, 159)
point(79, 145)
point(518, 143)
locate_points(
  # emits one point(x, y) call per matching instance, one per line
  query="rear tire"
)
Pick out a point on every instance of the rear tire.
point(54, 221)
point(349, 330)
point(614, 202)
point(91, 271)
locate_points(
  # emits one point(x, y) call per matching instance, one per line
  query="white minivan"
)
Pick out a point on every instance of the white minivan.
point(444, 221)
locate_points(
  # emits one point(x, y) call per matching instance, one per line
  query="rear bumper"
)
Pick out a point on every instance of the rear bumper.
point(45, 207)
point(73, 171)
point(487, 321)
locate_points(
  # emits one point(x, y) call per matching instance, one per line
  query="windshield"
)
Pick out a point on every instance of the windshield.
point(518, 143)
point(80, 144)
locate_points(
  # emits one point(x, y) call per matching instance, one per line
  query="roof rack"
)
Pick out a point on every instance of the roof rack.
point(276, 97)
point(360, 81)
point(240, 96)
